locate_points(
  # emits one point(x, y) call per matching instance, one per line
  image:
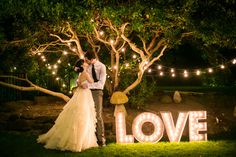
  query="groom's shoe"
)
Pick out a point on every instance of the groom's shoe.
point(101, 144)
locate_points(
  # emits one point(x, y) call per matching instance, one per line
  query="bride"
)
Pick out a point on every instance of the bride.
point(75, 127)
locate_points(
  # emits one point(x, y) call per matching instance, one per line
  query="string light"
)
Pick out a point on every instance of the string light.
point(234, 61)
point(198, 72)
point(210, 70)
point(65, 52)
point(222, 66)
point(123, 49)
point(74, 49)
point(101, 33)
point(112, 41)
point(134, 56)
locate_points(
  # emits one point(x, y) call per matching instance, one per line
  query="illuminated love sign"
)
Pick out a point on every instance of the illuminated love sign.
point(197, 128)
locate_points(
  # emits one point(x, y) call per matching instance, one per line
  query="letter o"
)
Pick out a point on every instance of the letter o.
point(147, 117)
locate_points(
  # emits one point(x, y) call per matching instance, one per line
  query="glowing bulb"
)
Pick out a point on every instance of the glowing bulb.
point(39, 53)
point(172, 75)
point(59, 61)
point(198, 72)
point(123, 50)
point(222, 66)
point(159, 67)
point(161, 73)
point(57, 78)
point(68, 44)
point(44, 60)
point(42, 57)
point(101, 33)
point(234, 61)
point(210, 70)
point(65, 52)
point(172, 70)
point(55, 66)
point(127, 64)
point(149, 70)
point(185, 73)
point(112, 41)
point(63, 85)
point(54, 73)
point(74, 49)
point(82, 56)
point(134, 56)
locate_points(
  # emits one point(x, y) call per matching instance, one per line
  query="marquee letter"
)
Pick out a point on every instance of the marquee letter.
point(195, 126)
point(121, 136)
point(147, 117)
point(174, 133)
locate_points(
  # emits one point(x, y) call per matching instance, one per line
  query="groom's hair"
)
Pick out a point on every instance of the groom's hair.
point(90, 55)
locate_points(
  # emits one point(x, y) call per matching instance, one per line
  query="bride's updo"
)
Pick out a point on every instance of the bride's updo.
point(78, 66)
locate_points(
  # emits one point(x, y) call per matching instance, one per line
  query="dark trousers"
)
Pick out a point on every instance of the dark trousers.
point(98, 100)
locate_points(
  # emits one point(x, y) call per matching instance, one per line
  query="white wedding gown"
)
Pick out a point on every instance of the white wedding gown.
point(75, 127)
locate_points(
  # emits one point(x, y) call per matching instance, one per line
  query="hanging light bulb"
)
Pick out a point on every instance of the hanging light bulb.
point(172, 70)
point(74, 49)
point(149, 70)
point(198, 72)
point(112, 41)
point(65, 52)
point(101, 33)
point(134, 56)
point(55, 66)
point(210, 70)
point(159, 67)
point(234, 61)
point(185, 73)
point(222, 66)
point(173, 75)
point(161, 73)
point(123, 49)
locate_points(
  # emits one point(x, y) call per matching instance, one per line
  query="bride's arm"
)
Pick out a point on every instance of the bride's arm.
point(88, 77)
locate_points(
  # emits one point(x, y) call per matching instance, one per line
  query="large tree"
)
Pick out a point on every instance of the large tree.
point(127, 36)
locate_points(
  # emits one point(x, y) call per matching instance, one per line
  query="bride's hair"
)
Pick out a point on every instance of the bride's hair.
point(78, 66)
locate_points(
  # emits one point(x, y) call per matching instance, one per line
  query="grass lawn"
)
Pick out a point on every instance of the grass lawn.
point(22, 145)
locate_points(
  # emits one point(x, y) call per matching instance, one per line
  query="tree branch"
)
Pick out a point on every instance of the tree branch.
point(33, 87)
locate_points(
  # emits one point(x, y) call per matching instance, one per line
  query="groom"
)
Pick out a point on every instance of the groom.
point(97, 70)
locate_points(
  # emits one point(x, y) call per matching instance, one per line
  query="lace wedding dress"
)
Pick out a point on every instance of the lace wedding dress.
point(75, 127)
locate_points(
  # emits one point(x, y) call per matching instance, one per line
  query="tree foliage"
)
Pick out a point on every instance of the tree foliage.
point(147, 28)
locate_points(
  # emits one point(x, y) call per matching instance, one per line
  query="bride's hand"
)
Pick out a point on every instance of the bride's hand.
point(83, 85)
